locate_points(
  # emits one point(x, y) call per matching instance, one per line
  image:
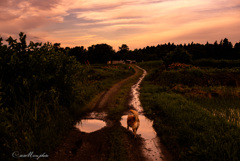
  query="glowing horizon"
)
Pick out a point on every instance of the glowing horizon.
point(135, 23)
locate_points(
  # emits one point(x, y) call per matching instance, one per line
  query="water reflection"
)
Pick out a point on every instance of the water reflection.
point(135, 101)
point(145, 129)
point(90, 125)
point(152, 147)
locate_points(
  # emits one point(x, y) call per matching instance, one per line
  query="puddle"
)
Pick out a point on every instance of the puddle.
point(145, 129)
point(90, 125)
point(152, 148)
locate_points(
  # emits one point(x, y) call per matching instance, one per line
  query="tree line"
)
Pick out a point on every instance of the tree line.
point(102, 53)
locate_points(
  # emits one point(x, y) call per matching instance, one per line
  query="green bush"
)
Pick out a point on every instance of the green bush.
point(42, 92)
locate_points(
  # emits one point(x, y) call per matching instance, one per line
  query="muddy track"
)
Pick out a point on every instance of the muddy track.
point(97, 146)
point(113, 142)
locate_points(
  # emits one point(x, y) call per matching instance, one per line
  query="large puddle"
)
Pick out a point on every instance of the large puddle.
point(92, 122)
point(145, 128)
point(152, 148)
point(90, 125)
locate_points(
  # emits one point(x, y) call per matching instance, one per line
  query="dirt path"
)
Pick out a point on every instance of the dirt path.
point(113, 142)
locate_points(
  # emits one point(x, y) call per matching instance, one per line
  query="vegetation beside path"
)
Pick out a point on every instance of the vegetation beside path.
point(196, 121)
point(119, 104)
point(113, 142)
point(42, 92)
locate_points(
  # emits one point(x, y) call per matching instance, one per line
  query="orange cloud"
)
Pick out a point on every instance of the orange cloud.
point(136, 23)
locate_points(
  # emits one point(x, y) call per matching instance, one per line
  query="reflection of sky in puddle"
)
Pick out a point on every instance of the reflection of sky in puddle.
point(145, 129)
point(90, 125)
point(152, 149)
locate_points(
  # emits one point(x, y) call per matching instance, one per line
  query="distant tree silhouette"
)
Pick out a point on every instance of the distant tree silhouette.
point(56, 46)
point(1, 41)
point(178, 55)
point(124, 47)
point(237, 50)
point(100, 53)
point(123, 51)
point(80, 53)
point(237, 46)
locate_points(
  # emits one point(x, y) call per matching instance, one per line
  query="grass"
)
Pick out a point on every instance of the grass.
point(120, 100)
point(118, 106)
point(99, 79)
point(193, 127)
point(39, 123)
point(228, 109)
point(188, 129)
point(118, 150)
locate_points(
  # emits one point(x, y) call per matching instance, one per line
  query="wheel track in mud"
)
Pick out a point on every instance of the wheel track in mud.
point(97, 145)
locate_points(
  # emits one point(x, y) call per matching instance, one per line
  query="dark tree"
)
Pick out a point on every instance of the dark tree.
point(179, 55)
point(100, 53)
point(80, 53)
point(123, 51)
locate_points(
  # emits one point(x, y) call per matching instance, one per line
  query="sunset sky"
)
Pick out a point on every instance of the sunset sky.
point(137, 23)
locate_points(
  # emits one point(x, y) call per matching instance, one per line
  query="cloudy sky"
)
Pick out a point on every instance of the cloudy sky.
point(137, 23)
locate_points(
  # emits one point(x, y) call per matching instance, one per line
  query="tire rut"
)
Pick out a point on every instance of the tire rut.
point(97, 146)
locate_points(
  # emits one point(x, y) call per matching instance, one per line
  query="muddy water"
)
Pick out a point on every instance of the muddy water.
point(90, 125)
point(92, 122)
point(135, 101)
point(152, 148)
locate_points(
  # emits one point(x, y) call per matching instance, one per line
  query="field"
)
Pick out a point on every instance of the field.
point(195, 110)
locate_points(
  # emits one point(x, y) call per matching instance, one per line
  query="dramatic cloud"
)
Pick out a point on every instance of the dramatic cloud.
point(137, 23)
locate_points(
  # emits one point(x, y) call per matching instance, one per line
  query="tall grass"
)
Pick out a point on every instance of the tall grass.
point(226, 108)
point(189, 130)
point(194, 126)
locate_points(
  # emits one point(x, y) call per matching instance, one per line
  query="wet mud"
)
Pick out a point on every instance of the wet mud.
point(153, 149)
point(89, 139)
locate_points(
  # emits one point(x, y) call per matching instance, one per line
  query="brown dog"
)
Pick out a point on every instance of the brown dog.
point(133, 121)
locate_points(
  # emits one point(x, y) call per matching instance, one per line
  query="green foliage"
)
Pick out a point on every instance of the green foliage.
point(42, 90)
point(36, 91)
point(200, 121)
point(189, 130)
